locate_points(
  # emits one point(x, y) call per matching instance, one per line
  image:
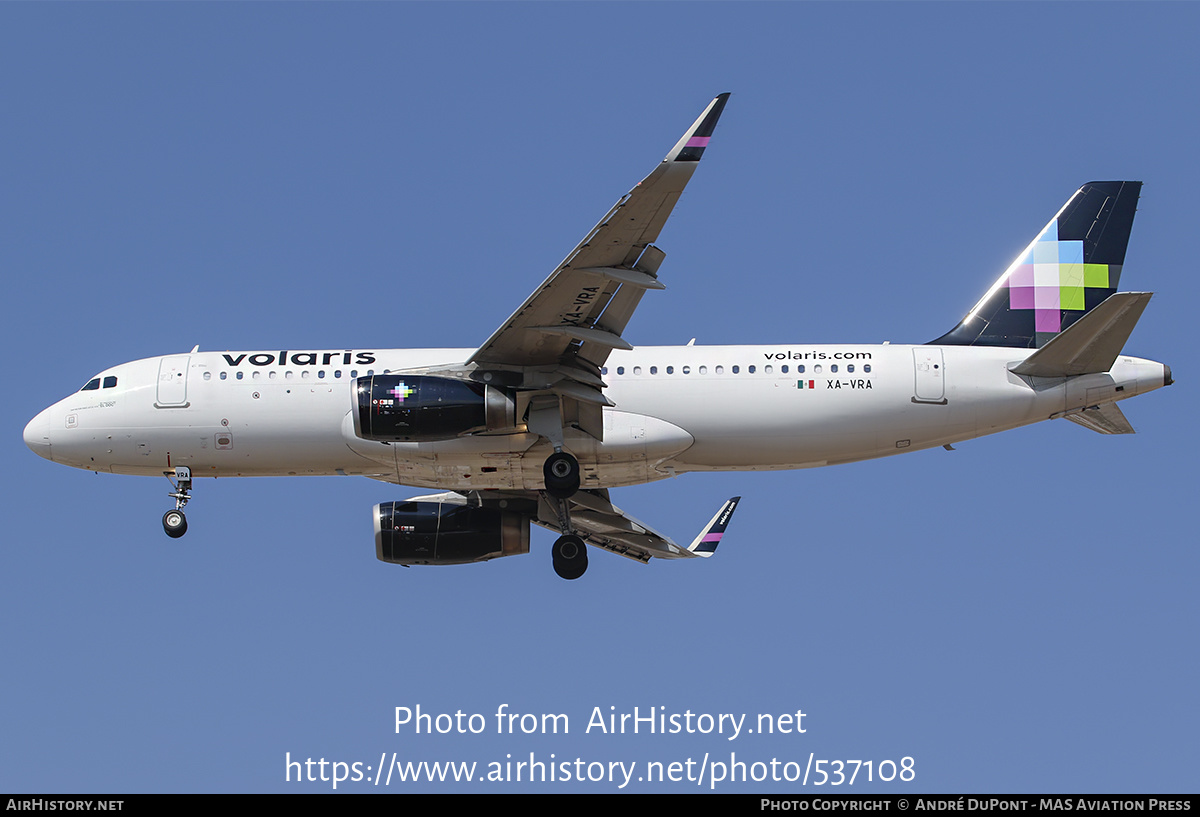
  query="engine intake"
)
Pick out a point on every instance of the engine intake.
point(437, 533)
point(423, 408)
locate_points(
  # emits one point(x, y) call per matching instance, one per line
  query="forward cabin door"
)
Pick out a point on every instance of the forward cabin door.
point(172, 382)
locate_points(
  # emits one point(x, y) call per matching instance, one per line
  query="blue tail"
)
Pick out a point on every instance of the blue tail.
point(1072, 266)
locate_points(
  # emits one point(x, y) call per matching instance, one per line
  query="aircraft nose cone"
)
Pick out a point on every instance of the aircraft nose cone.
point(37, 434)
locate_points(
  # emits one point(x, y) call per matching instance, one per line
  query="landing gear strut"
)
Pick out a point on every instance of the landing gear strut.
point(561, 478)
point(174, 522)
point(561, 472)
point(570, 556)
point(562, 482)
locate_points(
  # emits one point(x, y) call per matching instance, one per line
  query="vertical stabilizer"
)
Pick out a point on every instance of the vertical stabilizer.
point(1072, 267)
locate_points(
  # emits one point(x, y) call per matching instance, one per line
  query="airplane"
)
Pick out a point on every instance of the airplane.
point(556, 407)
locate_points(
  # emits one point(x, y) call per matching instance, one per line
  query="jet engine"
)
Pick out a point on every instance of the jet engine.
point(440, 533)
point(424, 408)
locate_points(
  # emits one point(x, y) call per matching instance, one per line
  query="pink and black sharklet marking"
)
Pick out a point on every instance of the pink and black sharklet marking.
point(694, 148)
point(712, 538)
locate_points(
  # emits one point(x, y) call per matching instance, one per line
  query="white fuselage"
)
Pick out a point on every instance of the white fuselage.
point(677, 409)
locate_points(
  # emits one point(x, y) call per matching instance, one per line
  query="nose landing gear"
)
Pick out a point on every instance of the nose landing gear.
point(174, 522)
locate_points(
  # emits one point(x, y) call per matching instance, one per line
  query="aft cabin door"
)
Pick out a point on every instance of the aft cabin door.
point(930, 374)
point(172, 382)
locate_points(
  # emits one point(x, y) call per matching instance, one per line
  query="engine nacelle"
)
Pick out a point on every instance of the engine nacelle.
point(438, 533)
point(424, 408)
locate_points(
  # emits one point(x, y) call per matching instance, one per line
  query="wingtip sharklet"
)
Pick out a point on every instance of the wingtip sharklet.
point(691, 146)
point(706, 543)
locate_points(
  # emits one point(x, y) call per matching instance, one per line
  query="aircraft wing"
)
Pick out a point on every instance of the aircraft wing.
point(575, 318)
point(597, 521)
point(604, 525)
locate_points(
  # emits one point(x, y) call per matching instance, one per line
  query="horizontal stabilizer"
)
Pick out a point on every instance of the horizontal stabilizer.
point(1105, 419)
point(1092, 343)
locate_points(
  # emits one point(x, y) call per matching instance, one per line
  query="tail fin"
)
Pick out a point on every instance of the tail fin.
point(1072, 266)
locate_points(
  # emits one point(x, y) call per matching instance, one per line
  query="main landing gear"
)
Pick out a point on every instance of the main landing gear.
point(174, 522)
point(561, 472)
point(569, 555)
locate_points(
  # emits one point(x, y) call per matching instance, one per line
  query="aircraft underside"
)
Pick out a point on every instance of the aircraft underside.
point(556, 407)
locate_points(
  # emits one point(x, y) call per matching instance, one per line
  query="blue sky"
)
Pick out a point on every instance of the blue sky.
point(1016, 615)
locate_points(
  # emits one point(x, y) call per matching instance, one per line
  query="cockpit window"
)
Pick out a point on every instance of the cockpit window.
point(110, 382)
point(92, 385)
